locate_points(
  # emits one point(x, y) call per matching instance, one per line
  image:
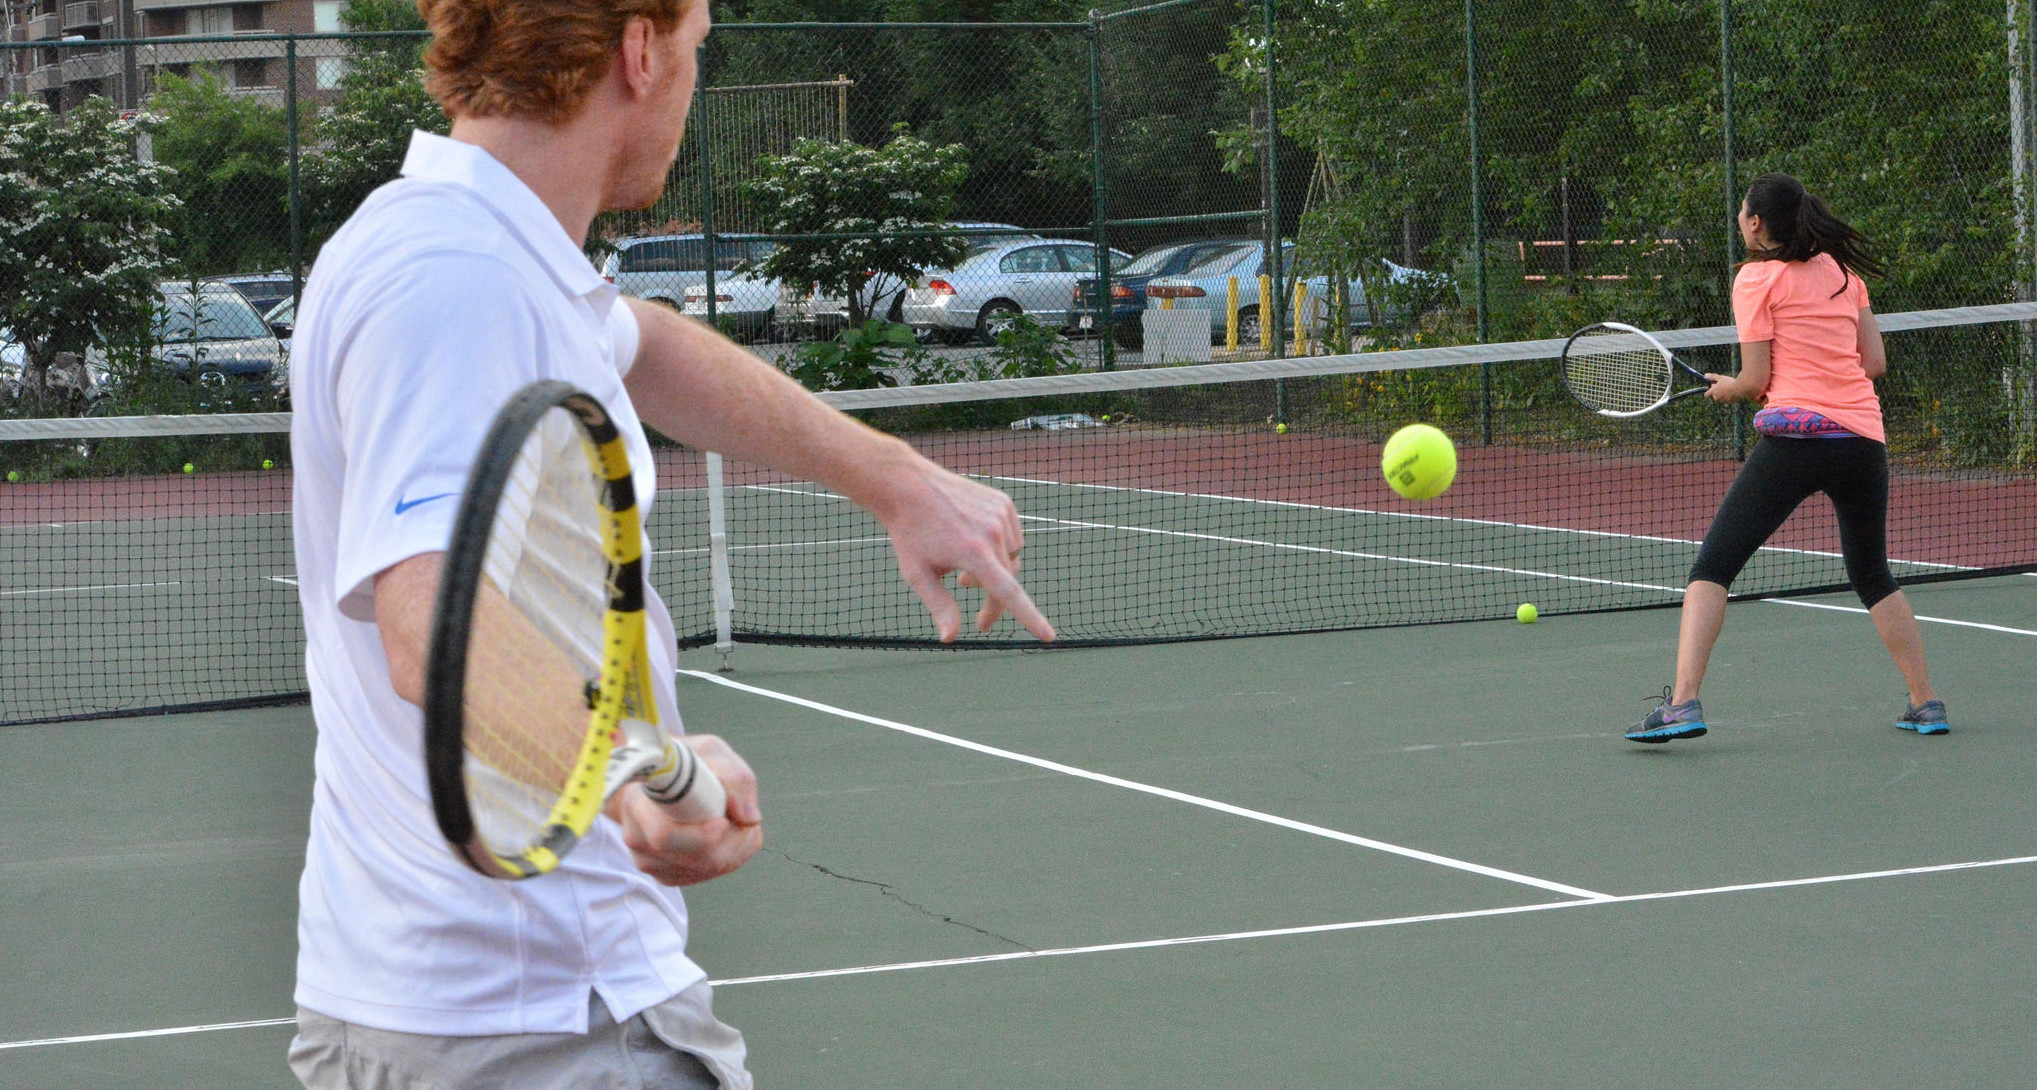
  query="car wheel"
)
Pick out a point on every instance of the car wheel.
point(1248, 327)
point(996, 317)
point(1129, 335)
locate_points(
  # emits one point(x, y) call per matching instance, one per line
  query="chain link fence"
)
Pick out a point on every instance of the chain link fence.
point(1186, 180)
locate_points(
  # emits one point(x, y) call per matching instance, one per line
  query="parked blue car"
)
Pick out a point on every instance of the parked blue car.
point(1128, 284)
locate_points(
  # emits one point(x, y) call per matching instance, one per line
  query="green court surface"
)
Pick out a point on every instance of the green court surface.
point(1414, 857)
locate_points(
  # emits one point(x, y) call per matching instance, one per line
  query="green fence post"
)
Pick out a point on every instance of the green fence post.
point(1477, 216)
point(1099, 207)
point(1732, 181)
point(296, 190)
point(1274, 305)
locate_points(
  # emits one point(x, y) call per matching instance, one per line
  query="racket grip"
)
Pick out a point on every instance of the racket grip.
point(685, 786)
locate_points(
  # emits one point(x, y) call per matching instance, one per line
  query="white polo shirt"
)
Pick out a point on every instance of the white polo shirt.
point(448, 290)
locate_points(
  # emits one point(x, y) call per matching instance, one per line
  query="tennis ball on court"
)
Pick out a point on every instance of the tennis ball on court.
point(1419, 462)
point(189, 468)
point(1527, 613)
point(1280, 429)
point(268, 464)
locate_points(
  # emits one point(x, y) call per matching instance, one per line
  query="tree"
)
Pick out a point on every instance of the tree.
point(84, 225)
point(231, 158)
point(364, 137)
point(843, 188)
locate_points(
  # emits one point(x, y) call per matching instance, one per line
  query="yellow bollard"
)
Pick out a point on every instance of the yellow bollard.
point(1231, 317)
point(1167, 302)
point(1300, 318)
point(1265, 315)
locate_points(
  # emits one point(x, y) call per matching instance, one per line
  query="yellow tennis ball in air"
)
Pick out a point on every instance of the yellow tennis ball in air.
point(1420, 462)
point(268, 463)
point(1280, 429)
point(1527, 613)
point(13, 476)
point(189, 468)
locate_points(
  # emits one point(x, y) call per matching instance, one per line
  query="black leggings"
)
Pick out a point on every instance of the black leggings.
point(1782, 473)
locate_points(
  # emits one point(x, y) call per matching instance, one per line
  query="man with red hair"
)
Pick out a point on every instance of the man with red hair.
point(449, 289)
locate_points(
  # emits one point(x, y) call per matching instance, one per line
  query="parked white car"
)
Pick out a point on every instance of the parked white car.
point(661, 268)
point(744, 304)
point(998, 281)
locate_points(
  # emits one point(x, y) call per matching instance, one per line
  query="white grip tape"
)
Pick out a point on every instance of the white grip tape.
point(686, 787)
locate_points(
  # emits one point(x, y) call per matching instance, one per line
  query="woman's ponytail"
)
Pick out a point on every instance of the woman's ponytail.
point(1801, 227)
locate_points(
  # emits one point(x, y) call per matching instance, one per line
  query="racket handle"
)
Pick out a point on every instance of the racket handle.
point(685, 786)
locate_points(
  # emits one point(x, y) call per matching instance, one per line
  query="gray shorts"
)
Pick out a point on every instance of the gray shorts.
point(677, 1045)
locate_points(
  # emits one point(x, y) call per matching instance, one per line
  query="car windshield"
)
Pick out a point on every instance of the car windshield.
point(1152, 261)
point(222, 316)
point(1222, 260)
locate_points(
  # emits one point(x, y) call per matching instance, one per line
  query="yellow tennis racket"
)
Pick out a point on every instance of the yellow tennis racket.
point(538, 705)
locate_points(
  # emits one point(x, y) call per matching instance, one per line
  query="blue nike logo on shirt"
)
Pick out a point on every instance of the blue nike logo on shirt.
point(403, 505)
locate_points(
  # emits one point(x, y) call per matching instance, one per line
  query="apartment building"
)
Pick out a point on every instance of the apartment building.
point(63, 65)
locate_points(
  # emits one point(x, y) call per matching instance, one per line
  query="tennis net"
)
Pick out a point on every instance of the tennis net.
point(1159, 504)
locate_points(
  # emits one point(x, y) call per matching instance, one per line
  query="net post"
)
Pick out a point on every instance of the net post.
point(718, 561)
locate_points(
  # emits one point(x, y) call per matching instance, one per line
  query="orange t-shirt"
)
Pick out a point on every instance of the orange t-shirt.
point(1815, 338)
point(1813, 331)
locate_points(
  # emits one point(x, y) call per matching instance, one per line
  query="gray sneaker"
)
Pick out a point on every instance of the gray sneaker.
point(1925, 718)
point(1670, 721)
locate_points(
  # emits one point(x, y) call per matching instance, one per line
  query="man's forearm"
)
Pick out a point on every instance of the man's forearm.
point(700, 388)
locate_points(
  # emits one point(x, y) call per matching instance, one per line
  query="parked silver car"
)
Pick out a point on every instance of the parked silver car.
point(884, 296)
point(661, 267)
point(998, 281)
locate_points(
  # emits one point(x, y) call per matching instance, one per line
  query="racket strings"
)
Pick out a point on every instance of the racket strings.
point(536, 640)
point(1617, 372)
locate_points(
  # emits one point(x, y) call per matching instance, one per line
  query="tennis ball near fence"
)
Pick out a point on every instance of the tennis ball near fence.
point(13, 476)
point(1419, 462)
point(1280, 429)
point(189, 468)
point(1527, 613)
point(268, 463)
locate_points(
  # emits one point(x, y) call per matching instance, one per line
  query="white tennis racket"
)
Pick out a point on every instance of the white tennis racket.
point(1619, 371)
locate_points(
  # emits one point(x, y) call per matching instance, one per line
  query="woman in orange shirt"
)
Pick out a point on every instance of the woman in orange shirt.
point(1810, 352)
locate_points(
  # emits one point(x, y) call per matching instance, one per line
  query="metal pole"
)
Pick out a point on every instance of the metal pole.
point(700, 136)
point(1273, 192)
point(296, 190)
point(130, 78)
point(1731, 165)
point(1099, 208)
point(2023, 387)
point(1478, 216)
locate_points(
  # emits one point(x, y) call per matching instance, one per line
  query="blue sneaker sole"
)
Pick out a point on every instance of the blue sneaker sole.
point(1666, 734)
point(1925, 728)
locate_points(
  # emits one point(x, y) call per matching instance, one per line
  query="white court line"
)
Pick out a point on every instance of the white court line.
point(1527, 572)
point(1361, 925)
point(286, 580)
point(1326, 551)
point(100, 586)
point(135, 1034)
point(1156, 944)
point(1162, 792)
point(1439, 518)
point(1921, 617)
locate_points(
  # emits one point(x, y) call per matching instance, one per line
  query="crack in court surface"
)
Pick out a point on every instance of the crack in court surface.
point(891, 891)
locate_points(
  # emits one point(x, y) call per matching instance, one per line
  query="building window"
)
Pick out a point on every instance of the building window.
point(330, 71)
point(251, 74)
point(325, 16)
point(210, 21)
